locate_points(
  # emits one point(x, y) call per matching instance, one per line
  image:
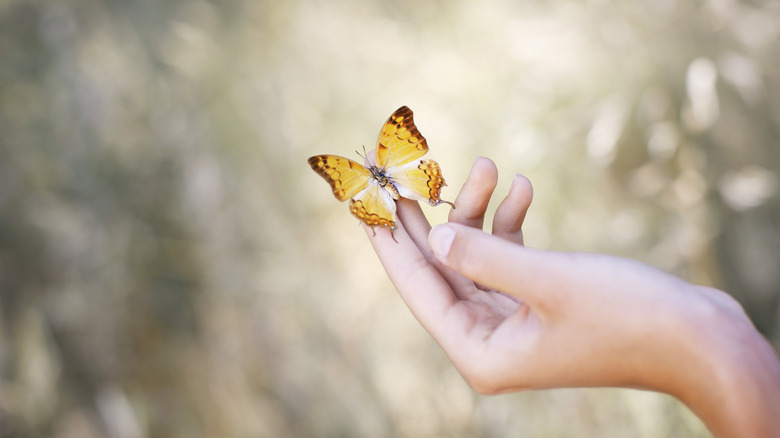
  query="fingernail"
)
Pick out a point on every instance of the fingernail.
point(518, 177)
point(440, 239)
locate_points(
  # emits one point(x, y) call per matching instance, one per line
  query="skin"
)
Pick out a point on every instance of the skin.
point(512, 318)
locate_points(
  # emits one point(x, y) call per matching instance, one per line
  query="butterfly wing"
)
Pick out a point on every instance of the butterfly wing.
point(399, 140)
point(400, 171)
point(346, 177)
point(374, 206)
point(370, 203)
point(420, 180)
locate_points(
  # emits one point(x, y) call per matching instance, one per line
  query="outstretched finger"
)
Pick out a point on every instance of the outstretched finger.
point(473, 199)
point(509, 217)
point(422, 287)
point(416, 225)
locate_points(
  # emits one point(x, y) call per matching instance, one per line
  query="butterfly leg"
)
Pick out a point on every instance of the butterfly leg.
point(442, 201)
point(392, 232)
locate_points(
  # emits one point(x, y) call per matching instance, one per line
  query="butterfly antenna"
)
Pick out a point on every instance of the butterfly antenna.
point(364, 155)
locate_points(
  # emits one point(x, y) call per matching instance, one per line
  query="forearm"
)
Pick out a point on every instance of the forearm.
point(736, 390)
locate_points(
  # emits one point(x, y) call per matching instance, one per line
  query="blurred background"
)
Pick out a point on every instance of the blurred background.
point(170, 266)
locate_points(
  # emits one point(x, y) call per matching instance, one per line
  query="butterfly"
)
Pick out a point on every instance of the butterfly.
point(394, 169)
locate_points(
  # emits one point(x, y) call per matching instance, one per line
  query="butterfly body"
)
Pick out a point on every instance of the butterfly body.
point(394, 170)
point(385, 181)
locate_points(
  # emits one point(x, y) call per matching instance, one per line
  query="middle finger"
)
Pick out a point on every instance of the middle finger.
point(473, 199)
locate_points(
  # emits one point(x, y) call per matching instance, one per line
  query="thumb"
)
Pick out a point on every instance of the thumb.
point(536, 276)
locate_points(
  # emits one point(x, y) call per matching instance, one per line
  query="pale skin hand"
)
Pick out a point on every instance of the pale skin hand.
point(574, 319)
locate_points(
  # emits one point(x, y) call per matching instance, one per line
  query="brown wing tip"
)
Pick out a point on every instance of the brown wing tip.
point(317, 164)
point(404, 112)
point(315, 161)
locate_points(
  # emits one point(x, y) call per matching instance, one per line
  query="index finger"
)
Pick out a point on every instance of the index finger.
point(422, 287)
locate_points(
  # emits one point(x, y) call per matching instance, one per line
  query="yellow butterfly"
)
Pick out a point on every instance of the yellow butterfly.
point(394, 170)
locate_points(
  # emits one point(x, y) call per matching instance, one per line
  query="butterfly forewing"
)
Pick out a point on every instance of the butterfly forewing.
point(346, 177)
point(399, 140)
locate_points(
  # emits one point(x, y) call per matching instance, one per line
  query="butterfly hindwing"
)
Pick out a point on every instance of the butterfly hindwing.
point(399, 140)
point(420, 180)
point(374, 206)
point(346, 177)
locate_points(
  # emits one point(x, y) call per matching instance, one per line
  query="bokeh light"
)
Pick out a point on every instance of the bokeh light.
point(171, 267)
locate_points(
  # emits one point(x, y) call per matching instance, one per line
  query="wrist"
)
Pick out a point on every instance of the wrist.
point(732, 381)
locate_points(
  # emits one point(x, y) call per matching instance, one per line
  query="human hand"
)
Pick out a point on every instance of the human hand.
point(513, 318)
